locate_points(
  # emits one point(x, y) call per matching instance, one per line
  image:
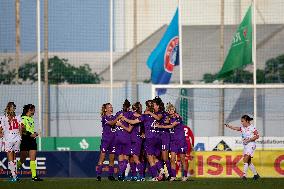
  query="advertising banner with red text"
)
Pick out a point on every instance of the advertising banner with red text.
point(230, 164)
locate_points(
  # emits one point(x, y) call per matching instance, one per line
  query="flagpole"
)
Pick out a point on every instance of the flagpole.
point(254, 64)
point(180, 43)
point(111, 52)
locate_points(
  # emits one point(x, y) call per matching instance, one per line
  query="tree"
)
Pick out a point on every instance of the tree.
point(7, 76)
point(28, 72)
point(274, 70)
point(272, 73)
point(60, 71)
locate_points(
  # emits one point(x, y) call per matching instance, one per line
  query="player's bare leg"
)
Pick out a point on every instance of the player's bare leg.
point(12, 165)
point(252, 168)
point(184, 166)
point(102, 158)
point(111, 159)
point(245, 160)
point(173, 166)
point(165, 157)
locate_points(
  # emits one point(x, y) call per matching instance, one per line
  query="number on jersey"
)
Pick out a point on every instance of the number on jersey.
point(14, 125)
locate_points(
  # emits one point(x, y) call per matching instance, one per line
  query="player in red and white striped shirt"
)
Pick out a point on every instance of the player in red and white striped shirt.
point(249, 136)
point(11, 130)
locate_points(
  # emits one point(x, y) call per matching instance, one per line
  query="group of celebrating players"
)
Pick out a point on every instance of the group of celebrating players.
point(143, 138)
point(153, 138)
point(17, 134)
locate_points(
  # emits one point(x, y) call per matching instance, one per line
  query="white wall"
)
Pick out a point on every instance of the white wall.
point(152, 14)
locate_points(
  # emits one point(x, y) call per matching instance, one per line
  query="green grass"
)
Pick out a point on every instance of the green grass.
point(214, 183)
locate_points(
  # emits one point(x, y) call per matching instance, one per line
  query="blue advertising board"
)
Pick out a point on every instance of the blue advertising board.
point(57, 164)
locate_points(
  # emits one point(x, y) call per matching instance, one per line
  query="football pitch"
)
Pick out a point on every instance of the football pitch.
point(214, 183)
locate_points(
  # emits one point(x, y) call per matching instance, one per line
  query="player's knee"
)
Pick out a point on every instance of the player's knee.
point(173, 160)
point(245, 159)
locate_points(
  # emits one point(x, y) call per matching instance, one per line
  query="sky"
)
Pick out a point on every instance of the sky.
point(74, 25)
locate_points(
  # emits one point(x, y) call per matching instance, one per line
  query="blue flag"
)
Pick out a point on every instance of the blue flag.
point(165, 56)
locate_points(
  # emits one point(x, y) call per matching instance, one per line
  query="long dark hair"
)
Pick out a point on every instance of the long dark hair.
point(150, 105)
point(26, 108)
point(137, 107)
point(160, 103)
point(247, 118)
point(126, 105)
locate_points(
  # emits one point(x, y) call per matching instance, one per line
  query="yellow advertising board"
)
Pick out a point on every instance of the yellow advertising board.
point(230, 164)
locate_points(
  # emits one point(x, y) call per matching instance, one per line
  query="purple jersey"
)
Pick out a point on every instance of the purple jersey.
point(108, 130)
point(177, 132)
point(120, 130)
point(122, 137)
point(164, 133)
point(149, 125)
point(136, 131)
point(136, 139)
point(163, 120)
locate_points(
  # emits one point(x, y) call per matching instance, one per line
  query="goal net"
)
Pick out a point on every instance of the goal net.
point(206, 110)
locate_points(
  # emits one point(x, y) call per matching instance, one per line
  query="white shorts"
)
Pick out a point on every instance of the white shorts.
point(12, 146)
point(249, 149)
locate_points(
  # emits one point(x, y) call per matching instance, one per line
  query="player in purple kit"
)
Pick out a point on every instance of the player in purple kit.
point(123, 139)
point(178, 143)
point(152, 142)
point(107, 142)
point(136, 142)
point(161, 116)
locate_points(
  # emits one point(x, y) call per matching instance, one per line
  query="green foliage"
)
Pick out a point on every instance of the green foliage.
point(272, 73)
point(260, 76)
point(209, 78)
point(239, 76)
point(7, 76)
point(60, 71)
point(28, 72)
point(83, 75)
point(186, 82)
point(147, 81)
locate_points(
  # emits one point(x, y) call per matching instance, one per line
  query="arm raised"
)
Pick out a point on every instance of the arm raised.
point(233, 127)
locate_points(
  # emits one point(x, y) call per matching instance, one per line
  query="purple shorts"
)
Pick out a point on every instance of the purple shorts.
point(178, 146)
point(165, 139)
point(107, 146)
point(136, 146)
point(153, 146)
point(123, 146)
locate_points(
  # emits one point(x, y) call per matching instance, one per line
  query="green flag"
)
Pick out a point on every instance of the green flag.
point(240, 53)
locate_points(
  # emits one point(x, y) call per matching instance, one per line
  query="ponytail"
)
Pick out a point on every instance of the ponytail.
point(247, 118)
